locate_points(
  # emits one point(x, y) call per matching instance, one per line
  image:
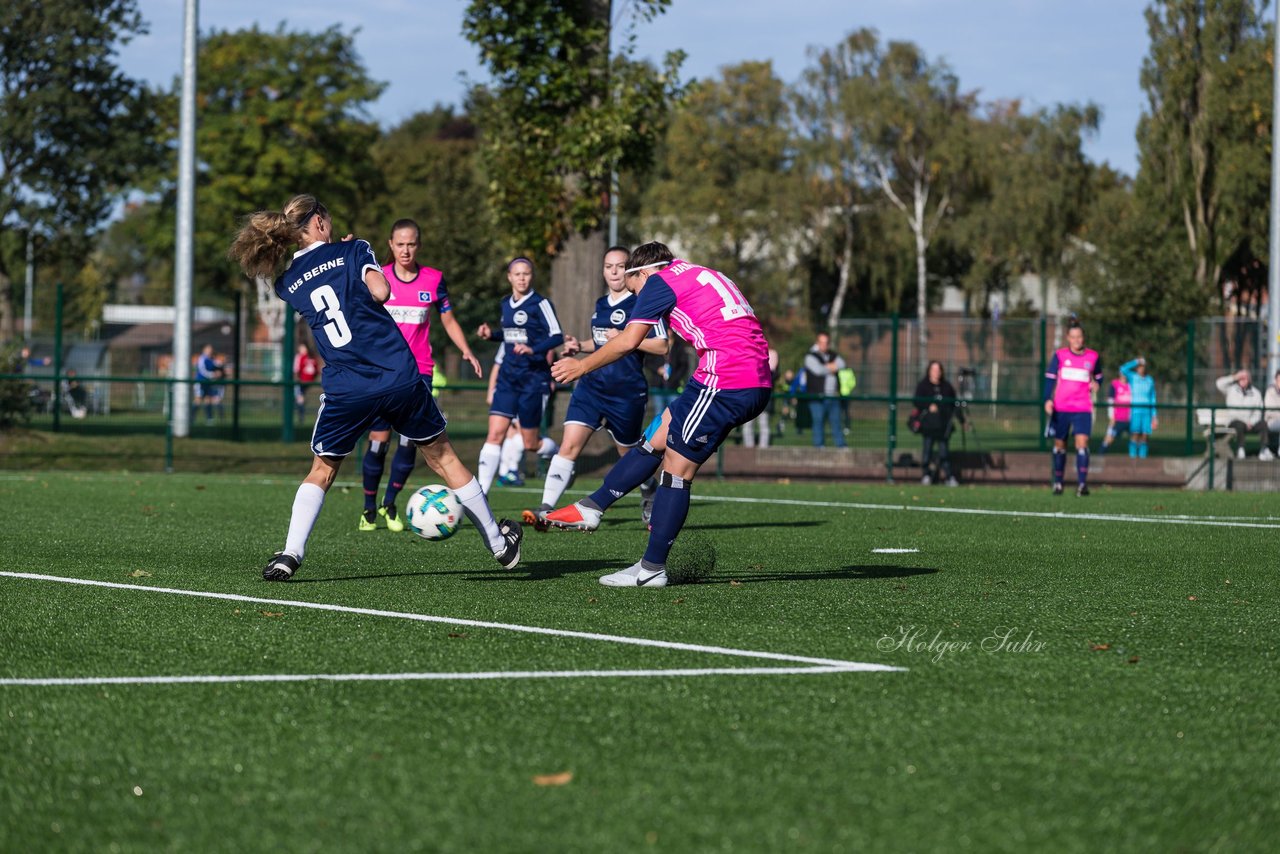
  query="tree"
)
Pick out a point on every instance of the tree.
point(429, 167)
point(834, 152)
point(1027, 196)
point(1203, 139)
point(886, 118)
point(75, 132)
point(559, 116)
point(725, 187)
point(279, 113)
point(917, 139)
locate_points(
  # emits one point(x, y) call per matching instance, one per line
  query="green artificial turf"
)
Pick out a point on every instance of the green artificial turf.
point(1132, 706)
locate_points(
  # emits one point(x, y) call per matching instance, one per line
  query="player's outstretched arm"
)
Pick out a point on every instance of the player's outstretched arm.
point(459, 338)
point(568, 370)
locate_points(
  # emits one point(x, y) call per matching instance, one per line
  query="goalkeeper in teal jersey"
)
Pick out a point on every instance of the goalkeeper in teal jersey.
point(1142, 411)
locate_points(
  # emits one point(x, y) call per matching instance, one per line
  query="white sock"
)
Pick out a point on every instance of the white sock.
point(488, 468)
point(306, 508)
point(558, 474)
point(547, 447)
point(512, 454)
point(477, 510)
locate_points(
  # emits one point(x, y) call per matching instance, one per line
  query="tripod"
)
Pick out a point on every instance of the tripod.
point(967, 425)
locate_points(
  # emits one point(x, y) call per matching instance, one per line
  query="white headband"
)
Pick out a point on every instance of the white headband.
point(646, 267)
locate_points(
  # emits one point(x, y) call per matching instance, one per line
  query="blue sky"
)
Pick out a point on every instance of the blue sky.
point(1043, 52)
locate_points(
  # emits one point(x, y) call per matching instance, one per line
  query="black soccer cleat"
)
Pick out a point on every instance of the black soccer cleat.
point(1082, 490)
point(1057, 489)
point(512, 534)
point(281, 567)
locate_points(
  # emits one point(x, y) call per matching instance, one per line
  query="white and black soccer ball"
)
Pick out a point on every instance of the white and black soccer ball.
point(434, 512)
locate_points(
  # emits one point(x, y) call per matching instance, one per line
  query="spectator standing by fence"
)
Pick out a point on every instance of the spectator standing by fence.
point(935, 400)
point(305, 371)
point(1244, 412)
point(821, 367)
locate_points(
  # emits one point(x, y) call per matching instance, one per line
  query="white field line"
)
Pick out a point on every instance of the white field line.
point(434, 677)
point(821, 664)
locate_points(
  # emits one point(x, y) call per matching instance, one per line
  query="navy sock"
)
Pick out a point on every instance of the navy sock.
point(1059, 464)
point(1082, 465)
point(374, 459)
point(670, 509)
point(401, 468)
point(627, 473)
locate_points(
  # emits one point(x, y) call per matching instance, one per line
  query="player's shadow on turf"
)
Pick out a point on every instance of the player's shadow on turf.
point(717, 526)
point(847, 573)
point(370, 577)
point(546, 570)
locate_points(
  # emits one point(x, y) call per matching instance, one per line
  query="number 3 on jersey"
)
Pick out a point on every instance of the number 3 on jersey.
point(735, 304)
point(325, 299)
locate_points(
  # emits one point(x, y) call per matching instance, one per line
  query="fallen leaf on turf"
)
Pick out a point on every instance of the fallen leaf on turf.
point(553, 779)
point(680, 600)
point(272, 613)
point(139, 573)
point(1098, 647)
point(591, 600)
point(1133, 660)
point(735, 583)
point(1191, 598)
point(457, 634)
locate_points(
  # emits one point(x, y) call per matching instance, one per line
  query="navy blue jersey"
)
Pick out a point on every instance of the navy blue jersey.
point(364, 353)
point(531, 321)
point(627, 372)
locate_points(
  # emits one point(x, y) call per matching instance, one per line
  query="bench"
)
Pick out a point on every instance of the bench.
point(1213, 422)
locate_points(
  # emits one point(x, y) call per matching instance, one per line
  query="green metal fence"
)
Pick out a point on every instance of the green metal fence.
point(996, 367)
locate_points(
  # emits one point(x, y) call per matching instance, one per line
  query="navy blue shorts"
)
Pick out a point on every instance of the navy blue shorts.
point(340, 422)
point(702, 418)
point(622, 416)
point(524, 402)
point(1063, 424)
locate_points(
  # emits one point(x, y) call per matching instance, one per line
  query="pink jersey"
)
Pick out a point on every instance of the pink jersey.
point(1073, 373)
point(1121, 397)
point(410, 307)
point(706, 308)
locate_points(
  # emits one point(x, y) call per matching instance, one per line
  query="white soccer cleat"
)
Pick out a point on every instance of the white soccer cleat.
point(635, 576)
point(1265, 455)
point(575, 517)
point(1239, 453)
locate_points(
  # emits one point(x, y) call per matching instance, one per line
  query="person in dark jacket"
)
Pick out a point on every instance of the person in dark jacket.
point(934, 400)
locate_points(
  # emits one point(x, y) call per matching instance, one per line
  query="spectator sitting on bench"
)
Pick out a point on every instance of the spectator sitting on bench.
point(1244, 412)
point(73, 395)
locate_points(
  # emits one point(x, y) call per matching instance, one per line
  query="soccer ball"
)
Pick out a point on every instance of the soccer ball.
point(434, 512)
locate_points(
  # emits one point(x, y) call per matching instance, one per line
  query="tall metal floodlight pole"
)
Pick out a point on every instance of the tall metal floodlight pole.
point(1273, 268)
point(184, 262)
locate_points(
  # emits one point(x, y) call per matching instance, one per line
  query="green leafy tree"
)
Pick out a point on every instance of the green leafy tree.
point(75, 132)
point(725, 189)
point(1027, 197)
point(1204, 138)
point(559, 116)
point(834, 155)
point(886, 118)
point(278, 113)
point(429, 167)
